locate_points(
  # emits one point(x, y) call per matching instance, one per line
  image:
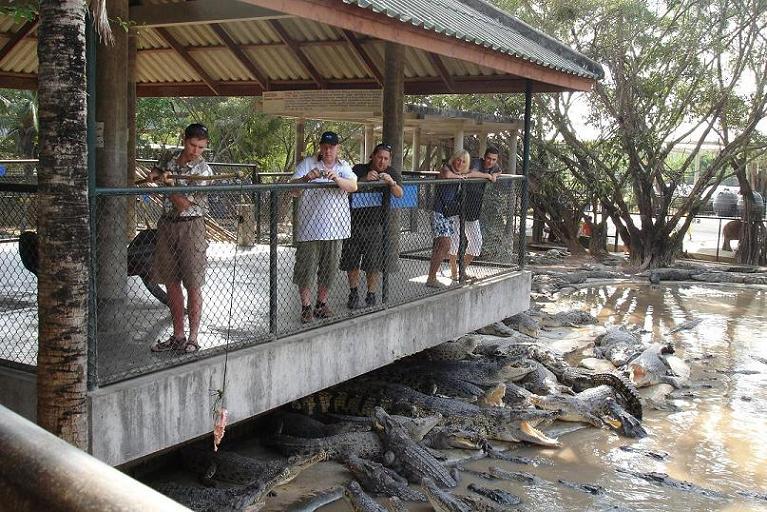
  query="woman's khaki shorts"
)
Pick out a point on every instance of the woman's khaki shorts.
point(180, 252)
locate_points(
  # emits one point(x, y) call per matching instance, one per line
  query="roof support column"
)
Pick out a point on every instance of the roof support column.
point(482, 143)
point(416, 149)
point(513, 152)
point(300, 148)
point(393, 106)
point(394, 99)
point(458, 139)
point(131, 120)
point(525, 165)
point(111, 163)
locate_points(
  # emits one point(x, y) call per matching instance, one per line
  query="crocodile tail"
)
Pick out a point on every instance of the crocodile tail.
point(625, 389)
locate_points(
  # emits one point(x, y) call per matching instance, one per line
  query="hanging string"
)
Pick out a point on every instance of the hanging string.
point(220, 413)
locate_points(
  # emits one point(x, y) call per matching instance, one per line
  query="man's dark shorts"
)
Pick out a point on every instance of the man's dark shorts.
point(364, 250)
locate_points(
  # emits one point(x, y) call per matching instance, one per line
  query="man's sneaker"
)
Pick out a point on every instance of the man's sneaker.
point(354, 300)
point(370, 299)
point(306, 314)
point(322, 310)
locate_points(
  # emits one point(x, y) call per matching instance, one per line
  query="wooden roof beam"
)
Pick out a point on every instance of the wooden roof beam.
point(362, 54)
point(241, 56)
point(442, 71)
point(14, 41)
point(300, 55)
point(198, 12)
point(188, 58)
point(380, 26)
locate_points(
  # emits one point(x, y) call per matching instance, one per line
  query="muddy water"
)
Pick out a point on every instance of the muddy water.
point(713, 434)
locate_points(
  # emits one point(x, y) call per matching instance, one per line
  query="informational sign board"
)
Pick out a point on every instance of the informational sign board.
point(306, 103)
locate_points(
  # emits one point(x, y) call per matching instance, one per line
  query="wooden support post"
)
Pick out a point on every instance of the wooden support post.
point(393, 124)
point(130, 224)
point(111, 161)
point(416, 149)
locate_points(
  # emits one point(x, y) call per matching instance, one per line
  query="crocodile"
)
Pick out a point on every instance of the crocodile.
point(588, 488)
point(596, 406)
point(650, 368)
point(477, 504)
point(482, 372)
point(499, 329)
point(380, 480)
point(417, 428)
point(618, 345)
point(367, 445)
point(442, 501)
point(249, 497)
point(447, 438)
point(359, 500)
point(653, 454)
point(462, 348)
point(496, 473)
point(666, 481)
point(502, 427)
point(524, 323)
point(497, 495)
point(301, 425)
point(571, 318)
point(515, 459)
point(233, 468)
point(541, 380)
point(581, 379)
point(411, 460)
point(394, 504)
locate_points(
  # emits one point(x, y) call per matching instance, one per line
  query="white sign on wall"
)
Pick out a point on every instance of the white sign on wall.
point(306, 103)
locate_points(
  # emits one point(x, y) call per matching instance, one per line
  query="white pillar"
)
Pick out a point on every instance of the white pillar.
point(416, 149)
point(458, 139)
point(513, 152)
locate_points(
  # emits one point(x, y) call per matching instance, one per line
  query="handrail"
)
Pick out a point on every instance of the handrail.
point(42, 472)
point(245, 188)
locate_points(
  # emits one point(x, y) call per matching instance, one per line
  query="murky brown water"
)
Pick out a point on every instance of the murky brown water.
point(716, 437)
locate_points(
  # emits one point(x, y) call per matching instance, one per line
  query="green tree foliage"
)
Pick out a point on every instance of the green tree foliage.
point(677, 71)
point(19, 124)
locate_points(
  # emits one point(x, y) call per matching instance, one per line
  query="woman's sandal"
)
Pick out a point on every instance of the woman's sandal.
point(187, 346)
point(172, 343)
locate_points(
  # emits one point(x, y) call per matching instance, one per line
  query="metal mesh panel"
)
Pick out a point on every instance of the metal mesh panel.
point(252, 284)
point(18, 282)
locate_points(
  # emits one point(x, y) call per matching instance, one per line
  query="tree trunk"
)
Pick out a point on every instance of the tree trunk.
point(63, 223)
point(749, 244)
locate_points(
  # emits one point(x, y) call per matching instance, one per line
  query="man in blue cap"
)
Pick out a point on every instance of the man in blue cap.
point(324, 220)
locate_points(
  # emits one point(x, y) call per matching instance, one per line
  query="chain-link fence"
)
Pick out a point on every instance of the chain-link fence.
point(18, 266)
point(267, 264)
point(263, 250)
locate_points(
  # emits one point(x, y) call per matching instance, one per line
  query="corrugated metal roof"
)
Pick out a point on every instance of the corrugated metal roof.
point(326, 48)
point(480, 23)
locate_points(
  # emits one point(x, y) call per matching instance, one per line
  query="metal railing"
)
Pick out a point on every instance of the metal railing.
point(248, 287)
point(28, 452)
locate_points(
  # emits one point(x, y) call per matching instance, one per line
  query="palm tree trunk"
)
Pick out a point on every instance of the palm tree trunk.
point(63, 222)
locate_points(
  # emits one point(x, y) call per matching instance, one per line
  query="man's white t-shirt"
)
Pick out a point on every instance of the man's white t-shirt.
point(323, 213)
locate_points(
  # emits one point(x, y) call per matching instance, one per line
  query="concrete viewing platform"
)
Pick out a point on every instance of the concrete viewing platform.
point(147, 402)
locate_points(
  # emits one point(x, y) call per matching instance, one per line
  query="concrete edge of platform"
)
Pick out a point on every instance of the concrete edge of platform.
point(18, 391)
point(141, 416)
